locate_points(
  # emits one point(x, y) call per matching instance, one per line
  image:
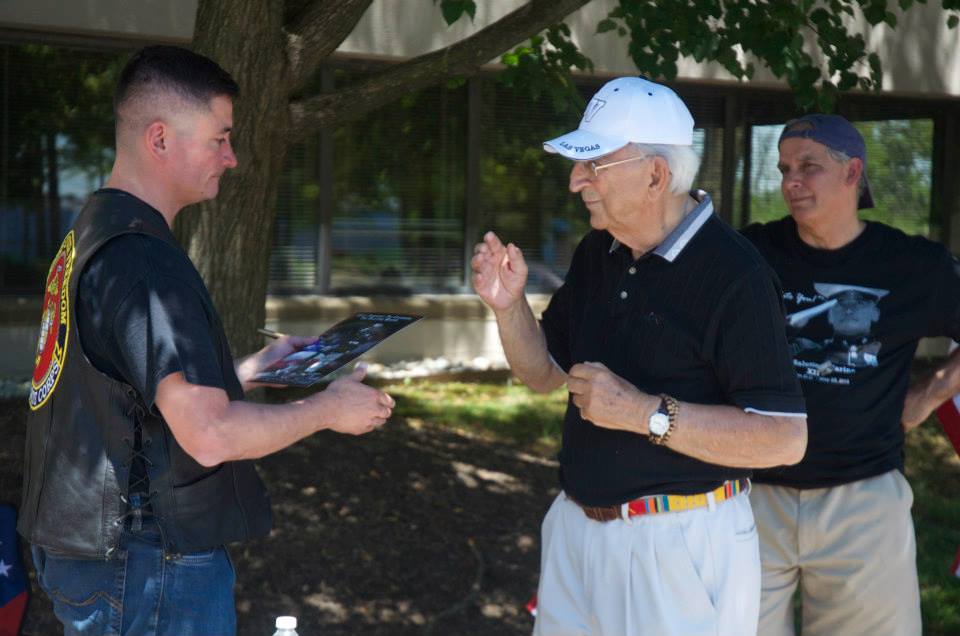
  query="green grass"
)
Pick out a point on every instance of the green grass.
point(513, 414)
point(505, 412)
point(934, 472)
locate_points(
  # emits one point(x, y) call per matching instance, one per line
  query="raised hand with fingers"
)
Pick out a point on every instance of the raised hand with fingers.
point(499, 272)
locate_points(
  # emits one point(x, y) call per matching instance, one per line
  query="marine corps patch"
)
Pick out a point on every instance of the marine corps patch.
point(54, 326)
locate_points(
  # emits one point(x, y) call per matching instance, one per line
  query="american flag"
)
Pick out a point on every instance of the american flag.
point(949, 415)
point(13, 578)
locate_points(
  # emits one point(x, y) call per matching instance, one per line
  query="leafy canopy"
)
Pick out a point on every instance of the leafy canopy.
point(781, 34)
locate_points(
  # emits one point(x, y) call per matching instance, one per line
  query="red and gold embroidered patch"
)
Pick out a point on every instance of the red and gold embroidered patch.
point(54, 326)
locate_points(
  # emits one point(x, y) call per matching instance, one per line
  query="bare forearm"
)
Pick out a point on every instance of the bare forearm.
point(923, 397)
point(265, 429)
point(526, 349)
point(944, 382)
point(728, 436)
point(245, 430)
point(720, 434)
point(213, 429)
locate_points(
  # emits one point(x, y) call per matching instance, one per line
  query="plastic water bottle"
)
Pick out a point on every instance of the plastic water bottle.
point(286, 626)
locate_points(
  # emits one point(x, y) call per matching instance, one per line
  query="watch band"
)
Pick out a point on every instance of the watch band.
point(672, 407)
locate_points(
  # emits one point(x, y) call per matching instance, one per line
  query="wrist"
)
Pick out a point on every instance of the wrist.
point(646, 406)
point(320, 406)
point(664, 420)
point(509, 312)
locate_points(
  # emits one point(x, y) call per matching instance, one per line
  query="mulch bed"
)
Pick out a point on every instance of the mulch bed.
point(410, 530)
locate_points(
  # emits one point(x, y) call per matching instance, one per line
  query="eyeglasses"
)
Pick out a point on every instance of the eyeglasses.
point(595, 167)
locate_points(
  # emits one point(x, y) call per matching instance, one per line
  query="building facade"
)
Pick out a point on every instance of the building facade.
point(363, 224)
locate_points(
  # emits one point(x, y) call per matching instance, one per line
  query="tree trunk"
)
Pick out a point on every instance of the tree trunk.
point(229, 238)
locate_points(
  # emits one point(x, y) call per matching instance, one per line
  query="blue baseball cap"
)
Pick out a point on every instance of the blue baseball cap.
point(836, 133)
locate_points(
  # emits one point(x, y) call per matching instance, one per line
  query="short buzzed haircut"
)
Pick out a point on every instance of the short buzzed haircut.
point(172, 71)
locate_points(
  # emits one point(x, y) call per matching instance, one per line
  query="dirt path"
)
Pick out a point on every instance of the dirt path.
point(411, 530)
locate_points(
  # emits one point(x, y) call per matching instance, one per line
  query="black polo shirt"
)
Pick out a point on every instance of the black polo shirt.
point(698, 318)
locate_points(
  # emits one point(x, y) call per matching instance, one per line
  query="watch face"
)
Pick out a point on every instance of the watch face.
point(659, 423)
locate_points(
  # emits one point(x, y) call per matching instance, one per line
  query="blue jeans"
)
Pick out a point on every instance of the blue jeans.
point(140, 592)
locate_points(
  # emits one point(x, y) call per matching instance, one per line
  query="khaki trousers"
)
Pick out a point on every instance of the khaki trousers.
point(852, 550)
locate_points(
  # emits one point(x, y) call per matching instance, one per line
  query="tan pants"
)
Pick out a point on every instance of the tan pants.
point(852, 550)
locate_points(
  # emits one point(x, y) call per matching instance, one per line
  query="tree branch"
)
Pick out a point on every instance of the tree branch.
point(317, 33)
point(457, 59)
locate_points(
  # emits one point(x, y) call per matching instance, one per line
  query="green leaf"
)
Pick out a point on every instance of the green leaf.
point(953, 21)
point(875, 12)
point(820, 16)
point(848, 80)
point(452, 10)
point(808, 75)
point(606, 25)
point(669, 70)
point(875, 68)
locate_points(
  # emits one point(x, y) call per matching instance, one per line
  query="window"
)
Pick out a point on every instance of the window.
point(390, 189)
point(56, 147)
point(399, 177)
point(524, 195)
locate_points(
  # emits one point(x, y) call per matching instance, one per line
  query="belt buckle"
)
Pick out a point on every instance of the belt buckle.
point(600, 513)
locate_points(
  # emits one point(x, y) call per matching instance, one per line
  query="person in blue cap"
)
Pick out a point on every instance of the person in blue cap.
point(859, 295)
point(667, 332)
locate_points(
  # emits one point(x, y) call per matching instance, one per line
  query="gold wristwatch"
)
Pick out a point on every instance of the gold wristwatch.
point(663, 420)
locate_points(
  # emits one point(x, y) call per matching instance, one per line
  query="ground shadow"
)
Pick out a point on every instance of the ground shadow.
point(411, 530)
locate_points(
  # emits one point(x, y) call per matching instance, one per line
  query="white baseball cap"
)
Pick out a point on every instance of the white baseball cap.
point(625, 110)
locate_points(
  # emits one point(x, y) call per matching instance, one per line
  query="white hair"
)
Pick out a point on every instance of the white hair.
point(684, 162)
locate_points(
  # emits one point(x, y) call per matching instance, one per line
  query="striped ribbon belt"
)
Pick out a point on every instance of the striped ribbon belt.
point(656, 504)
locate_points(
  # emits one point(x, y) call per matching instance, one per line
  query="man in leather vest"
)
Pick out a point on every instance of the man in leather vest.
point(137, 466)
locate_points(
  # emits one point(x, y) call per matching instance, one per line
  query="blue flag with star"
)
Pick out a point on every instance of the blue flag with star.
point(13, 578)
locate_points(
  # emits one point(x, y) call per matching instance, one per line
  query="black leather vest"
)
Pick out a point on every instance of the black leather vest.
point(81, 427)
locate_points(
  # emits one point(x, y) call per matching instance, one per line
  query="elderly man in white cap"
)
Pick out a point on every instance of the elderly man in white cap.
point(668, 333)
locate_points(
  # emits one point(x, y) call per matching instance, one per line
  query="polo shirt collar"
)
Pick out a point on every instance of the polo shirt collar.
point(678, 238)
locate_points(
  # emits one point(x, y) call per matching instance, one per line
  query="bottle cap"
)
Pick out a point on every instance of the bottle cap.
point(286, 622)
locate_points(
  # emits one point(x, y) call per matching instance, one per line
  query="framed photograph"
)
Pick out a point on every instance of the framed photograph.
point(335, 347)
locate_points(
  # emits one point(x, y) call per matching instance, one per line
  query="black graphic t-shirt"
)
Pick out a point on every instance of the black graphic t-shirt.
point(854, 317)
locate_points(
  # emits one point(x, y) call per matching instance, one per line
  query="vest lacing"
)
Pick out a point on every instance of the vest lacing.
point(137, 462)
